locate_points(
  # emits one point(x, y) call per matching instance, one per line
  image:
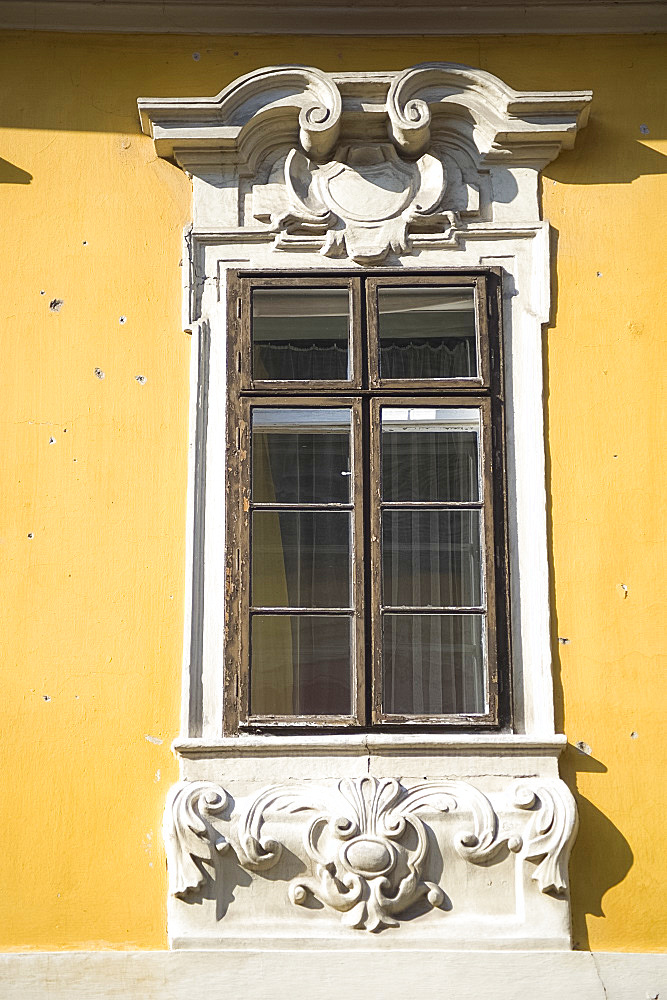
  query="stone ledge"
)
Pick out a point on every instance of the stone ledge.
point(364, 744)
point(323, 975)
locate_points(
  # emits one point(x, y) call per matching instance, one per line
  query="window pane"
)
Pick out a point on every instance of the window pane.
point(431, 558)
point(300, 665)
point(300, 455)
point(300, 333)
point(427, 333)
point(300, 559)
point(433, 664)
point(430, 455)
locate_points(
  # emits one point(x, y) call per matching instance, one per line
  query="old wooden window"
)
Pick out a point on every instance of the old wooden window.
point(366, 567)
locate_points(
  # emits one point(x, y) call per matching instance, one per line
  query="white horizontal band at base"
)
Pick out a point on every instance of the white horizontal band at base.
point(324, 975)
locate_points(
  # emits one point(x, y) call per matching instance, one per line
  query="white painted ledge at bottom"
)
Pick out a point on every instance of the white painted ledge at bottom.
point(325, 975)
point(549, 745)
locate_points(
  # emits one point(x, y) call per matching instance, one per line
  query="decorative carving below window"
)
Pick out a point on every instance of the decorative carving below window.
point(364, 843)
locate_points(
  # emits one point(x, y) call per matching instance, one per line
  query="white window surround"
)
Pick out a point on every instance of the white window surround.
point(277, 161)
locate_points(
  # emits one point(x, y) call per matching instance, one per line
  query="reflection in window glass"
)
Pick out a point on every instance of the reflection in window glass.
point(300, 334)
point(431, 558)
point(301, 559)
point(300, 455)
point(430, 455)
point(433, 664)
point(301, 665)
point(427, 333)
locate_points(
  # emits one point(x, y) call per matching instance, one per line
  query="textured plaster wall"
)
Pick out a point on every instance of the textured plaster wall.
point(93, 409)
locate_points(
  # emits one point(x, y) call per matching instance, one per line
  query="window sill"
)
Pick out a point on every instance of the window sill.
point(363, 744)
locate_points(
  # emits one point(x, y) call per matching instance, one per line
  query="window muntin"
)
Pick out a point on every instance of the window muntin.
point(319, 634)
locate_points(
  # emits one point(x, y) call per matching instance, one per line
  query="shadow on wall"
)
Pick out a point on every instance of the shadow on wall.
point(590, 161)
point(11, 174)
point(601, 857)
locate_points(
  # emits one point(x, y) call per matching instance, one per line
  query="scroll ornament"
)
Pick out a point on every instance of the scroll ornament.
point(363, 202)
point(365, 844)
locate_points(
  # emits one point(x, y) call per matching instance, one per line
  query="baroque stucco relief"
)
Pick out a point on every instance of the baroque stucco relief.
point(360, 166)
point(363, 843)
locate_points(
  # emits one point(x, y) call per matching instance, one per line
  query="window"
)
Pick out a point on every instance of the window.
point(366, 567)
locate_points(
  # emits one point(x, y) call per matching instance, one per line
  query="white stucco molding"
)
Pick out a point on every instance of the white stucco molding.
point(509, 121)
point(372, 848)
point(359, 165)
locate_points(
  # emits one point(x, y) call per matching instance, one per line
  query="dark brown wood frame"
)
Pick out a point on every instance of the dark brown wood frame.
point(364, 393)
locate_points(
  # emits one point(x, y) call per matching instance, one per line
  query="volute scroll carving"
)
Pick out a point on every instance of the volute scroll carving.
point(551, 833)
point(190, 834)
point(366, 843)
point(363, 155)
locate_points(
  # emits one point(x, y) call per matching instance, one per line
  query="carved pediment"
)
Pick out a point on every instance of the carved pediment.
point(357, 165)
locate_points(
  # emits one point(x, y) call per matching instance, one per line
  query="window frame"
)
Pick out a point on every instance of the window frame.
point(484, 391)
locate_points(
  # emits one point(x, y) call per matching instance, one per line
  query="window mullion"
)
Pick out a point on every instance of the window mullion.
point(375, 559)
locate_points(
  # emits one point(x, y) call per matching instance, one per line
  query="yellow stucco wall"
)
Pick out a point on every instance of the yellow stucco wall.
point(92, 499)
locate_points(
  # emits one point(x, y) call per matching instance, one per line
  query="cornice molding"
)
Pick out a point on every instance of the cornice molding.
point(283, 103)
point(414, 17)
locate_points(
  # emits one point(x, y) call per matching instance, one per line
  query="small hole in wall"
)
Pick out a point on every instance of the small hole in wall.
point(196, 56)
point(141, 379)
point(644, 129)
point(30, 534)
point(122, 320)
point(99, 373)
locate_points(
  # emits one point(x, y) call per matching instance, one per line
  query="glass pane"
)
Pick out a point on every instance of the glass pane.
point(427, 333)
point(300, 455)
point(300, 333)
point(431, 558)
point(300, 559)
point(433, 664)
point(301, 665)
point(430, 455)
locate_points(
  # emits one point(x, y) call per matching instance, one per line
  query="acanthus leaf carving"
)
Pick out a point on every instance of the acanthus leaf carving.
point(189, 834)
point(365, 842)
point(551, 833)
